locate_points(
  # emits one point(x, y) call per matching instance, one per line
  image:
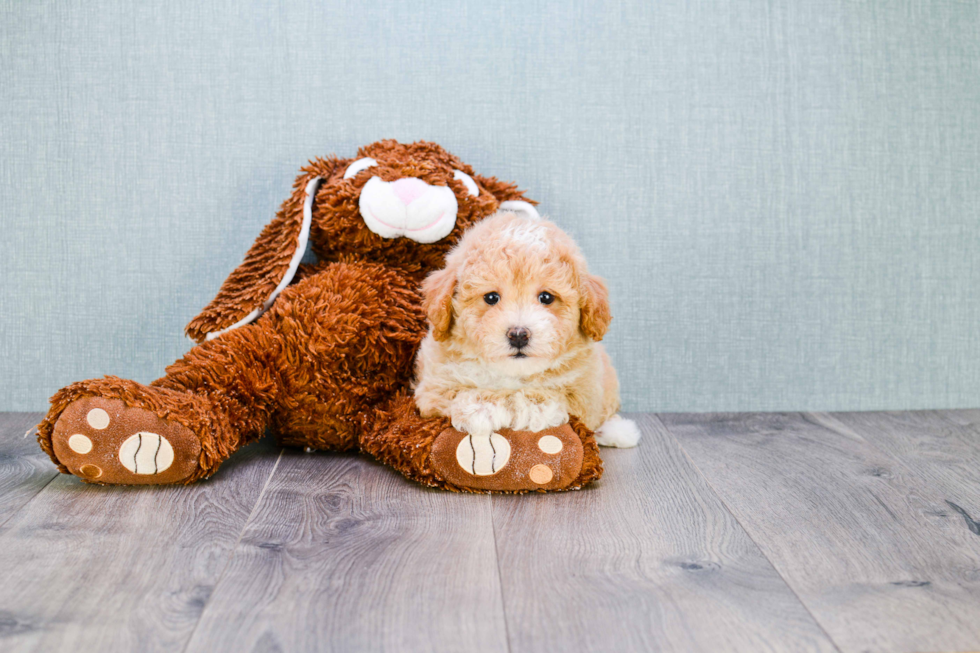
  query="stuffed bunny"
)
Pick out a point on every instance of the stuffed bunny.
point(322, 355)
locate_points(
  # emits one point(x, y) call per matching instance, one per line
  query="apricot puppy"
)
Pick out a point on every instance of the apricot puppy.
point(515, 319)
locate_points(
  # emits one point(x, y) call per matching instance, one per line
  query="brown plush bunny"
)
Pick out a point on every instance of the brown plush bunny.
point(321, 355)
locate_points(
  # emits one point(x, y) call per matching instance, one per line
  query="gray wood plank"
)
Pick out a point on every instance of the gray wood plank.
point(24, 468)
point(343, 554)
point(90, 568)
point(648, 559)
point(869, 547)
point(941, 447)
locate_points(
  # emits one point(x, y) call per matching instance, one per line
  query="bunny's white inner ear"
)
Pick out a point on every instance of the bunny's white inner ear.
point(520, 206)
point(357, 166)
point(301, 241)
point(471, 186)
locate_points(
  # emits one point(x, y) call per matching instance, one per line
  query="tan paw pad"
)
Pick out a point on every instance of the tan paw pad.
point(80, 443)
point(90, 471)
point(146, 453)
point(97, 418)
point(541, 474)
point(550, 444)
point(483, 456)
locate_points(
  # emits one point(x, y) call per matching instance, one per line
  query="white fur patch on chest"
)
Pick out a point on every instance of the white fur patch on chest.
point(473, 374)
point(481, 376)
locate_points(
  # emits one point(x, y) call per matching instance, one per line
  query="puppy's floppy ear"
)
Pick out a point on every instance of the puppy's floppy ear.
point(270, 263)
point(594, 313)
point(437, 301)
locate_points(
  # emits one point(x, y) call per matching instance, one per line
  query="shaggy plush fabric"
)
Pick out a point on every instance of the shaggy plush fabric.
point(328, 366)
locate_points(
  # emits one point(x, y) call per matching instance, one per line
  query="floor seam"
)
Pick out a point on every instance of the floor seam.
point(500, 577)
point(729, 510)
point(234, 549)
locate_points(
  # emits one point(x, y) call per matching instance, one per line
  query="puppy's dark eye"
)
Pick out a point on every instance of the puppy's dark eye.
point(491, 298)
point(546, 297)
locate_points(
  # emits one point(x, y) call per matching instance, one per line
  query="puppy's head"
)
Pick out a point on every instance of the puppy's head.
point(516, 294)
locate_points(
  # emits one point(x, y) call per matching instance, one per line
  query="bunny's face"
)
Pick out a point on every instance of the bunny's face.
point(404, 203)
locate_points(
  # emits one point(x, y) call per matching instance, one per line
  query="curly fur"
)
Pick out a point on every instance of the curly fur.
point(467, 368)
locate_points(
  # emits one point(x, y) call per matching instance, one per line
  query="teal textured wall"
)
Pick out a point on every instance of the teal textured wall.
point(784, 196)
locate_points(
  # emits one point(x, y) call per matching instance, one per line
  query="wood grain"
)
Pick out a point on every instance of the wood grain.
point(345, 555)
point(870, 547)
point(940, 447)
point(91, 568)
point(647, 560)
point(24, 468)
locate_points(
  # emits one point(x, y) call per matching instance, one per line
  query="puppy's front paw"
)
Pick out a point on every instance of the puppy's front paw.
point(529, 415)
point(545, 416)
point(479, 417)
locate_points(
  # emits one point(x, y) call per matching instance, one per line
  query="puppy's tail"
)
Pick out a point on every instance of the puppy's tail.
point(618, 432)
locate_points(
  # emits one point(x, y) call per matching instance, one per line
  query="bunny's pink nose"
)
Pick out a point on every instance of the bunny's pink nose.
point(409, 189)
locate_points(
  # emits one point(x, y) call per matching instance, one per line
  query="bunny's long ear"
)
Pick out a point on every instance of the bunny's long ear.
point(269, 265)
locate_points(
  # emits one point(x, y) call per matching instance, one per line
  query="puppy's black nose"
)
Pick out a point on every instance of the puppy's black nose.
point(518, 337)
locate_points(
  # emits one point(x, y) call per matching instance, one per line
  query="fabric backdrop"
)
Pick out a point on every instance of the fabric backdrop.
point(783, 196)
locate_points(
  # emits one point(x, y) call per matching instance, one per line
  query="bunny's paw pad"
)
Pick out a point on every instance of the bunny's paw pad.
point(102, 440)
point(509, 461)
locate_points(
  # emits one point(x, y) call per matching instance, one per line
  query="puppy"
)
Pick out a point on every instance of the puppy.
point(515, 322)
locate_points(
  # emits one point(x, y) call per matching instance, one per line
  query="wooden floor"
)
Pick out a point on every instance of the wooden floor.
point(739, 532)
